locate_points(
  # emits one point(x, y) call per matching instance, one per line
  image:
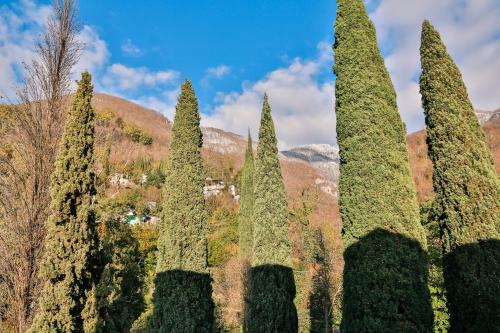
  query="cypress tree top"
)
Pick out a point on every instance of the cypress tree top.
point(69, 265)
point(182, 243)
point(247, 202)
point(271, 244)
point(464, 178)
point(376, 188)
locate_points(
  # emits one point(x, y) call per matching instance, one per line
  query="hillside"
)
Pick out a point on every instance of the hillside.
point(223, 152)
point(304, 168)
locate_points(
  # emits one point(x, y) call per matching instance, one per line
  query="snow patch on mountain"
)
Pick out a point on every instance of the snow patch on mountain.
point(485, 116)
point(325, 158)
point(322, 156)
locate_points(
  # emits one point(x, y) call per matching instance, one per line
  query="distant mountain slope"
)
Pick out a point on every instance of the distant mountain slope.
point(310, 167)
point(485, 116)
point(221, 150)
point(322, 156)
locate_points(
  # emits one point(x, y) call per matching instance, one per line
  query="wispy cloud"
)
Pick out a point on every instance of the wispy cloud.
point(129, 49)
point(128, 78)
point(20, 23)
point(95, 53)
point(218, 72)
point(302, 107)
point(215, 73)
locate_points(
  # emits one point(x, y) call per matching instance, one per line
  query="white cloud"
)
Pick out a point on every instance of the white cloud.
point(216, 73)
point(302, 108)
point(95, 53)
point(219, 71)
point(21, 25)
point(119, 76)
point(470, 30)
point(128, 48)
point(23, 22)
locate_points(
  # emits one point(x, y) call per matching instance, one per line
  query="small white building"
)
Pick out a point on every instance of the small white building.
point(120, 180)
point(213, 187)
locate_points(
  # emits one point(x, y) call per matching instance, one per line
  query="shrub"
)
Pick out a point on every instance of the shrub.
point(137, 134)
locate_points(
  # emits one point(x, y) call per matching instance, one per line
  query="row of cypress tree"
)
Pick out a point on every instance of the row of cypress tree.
point(182, 298)
point(385, 275)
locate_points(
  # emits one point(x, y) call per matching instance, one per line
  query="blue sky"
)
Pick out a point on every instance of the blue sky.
point(234, 51)
point(251, 38)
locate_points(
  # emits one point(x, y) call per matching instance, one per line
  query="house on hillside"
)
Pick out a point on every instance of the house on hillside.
point(217, 186)
point(121, 180)
point(132, 218)
point(213, 187)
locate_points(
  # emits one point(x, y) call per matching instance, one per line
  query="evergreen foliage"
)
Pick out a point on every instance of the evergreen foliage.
point(106, 166)
point(69, 266)
point(182, 297)
point(436, 280)
point(467, 191)
point(385, 275)
point(119, 292)
point(247, 202)
point(271, 242)
point(272, 287)
point(378, 204)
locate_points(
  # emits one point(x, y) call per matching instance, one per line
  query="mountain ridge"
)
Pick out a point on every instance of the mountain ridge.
point(307, 166)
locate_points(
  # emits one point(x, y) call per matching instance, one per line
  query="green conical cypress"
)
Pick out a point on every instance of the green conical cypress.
point(385, 287)
point(247, 202)
point(272, 287)
point(467, 191)
point(182, 299)
point(71, 243)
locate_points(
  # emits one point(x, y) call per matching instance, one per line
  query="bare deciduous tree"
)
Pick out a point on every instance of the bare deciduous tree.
point(28, 161)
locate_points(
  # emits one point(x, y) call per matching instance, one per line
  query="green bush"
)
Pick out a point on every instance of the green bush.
point(137, 134)
point(105, 116)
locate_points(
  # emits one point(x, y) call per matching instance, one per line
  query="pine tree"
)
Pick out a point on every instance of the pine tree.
point(272, 287)
point(182, 299)
point(467, 191)
point(247, 202)
point(71, 245)
point(385, 287)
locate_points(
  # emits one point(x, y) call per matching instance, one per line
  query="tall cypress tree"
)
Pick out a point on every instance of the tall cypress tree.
point(272, 287)
point(385, 275)
point(247, 202)
point(467, 191)
point(182, 298)
point(71, 245)
point(245, 223)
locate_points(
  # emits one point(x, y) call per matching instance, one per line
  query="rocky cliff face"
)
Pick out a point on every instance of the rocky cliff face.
point(221, 141)
point(485, 116)
point(324, 157)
